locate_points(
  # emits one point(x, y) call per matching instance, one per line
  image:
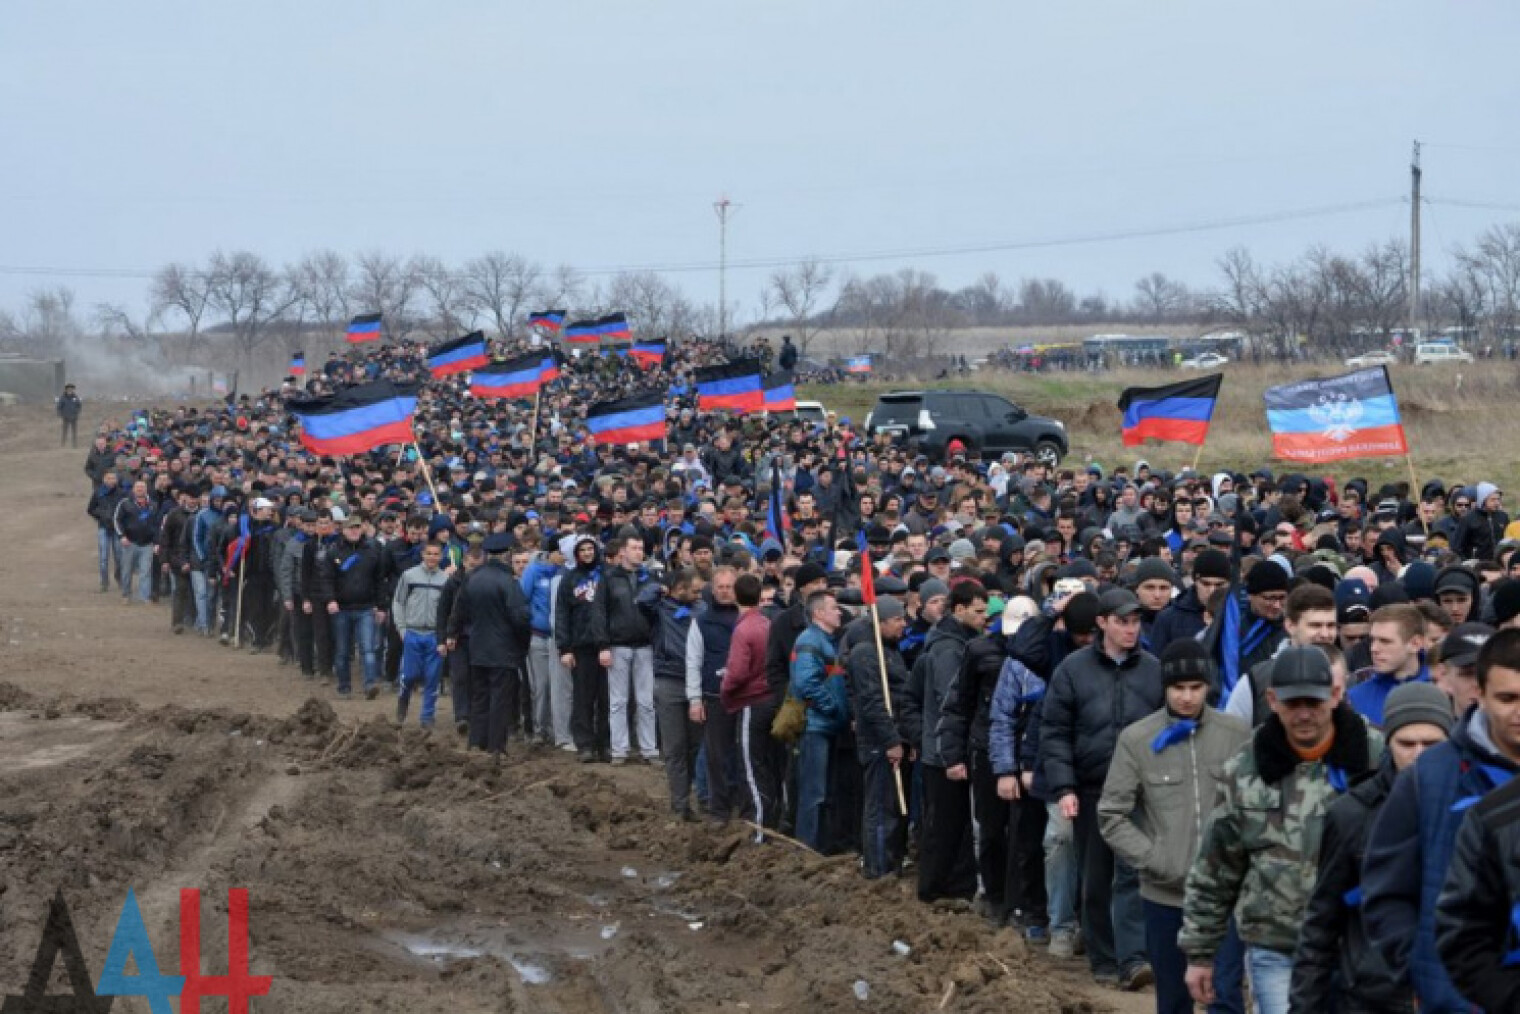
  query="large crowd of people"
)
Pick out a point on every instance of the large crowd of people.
point(1227, 735)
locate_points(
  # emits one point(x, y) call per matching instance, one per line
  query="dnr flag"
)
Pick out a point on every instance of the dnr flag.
point(780, 395)
point(732, 386)
point(357, 419)
point(1351, 416)
point(552, 361)
point(515, 378)
point(365, 328)
point(1179, 412)
point(459, 355)
point(858, 364)
point(648, 354)
point(298, 364)
point(628, 420)
point(611, 328)
point(549, 320)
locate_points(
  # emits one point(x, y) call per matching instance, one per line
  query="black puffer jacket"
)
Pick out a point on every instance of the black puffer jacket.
point(1332, 939)
point(876, 731)
point(1091, 699)
point(966, 718)
point(350, 575)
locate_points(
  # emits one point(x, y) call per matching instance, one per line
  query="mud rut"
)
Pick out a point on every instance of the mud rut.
point(389, 870)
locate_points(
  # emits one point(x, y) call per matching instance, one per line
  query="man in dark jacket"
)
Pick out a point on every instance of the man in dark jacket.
point(492, 610)
point(1093, 696)
point(136, 524)
point(350, 585)
point(963, 726)
point(1333, 967)
point(787, 625)
point(947, 863)
point(69, 407)
point(580, 634)
point(1249, 629)
point(174, 557)
point(707, 647)
point(1184, 617)
point(313, 624)
point(1482, 528)
point(878, 743)
point(100, 460)
point(1475, 918)
point(457, 654)
point(103, 509)
point(1410, 845)
point(680, 735)
point(628, 592)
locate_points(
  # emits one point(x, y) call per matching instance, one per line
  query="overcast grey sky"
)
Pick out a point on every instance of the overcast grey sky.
point(599, 133)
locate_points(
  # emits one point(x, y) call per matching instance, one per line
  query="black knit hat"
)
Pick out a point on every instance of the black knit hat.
point(1185, 659)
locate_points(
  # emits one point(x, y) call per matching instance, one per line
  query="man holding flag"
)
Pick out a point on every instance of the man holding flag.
point(877, 678)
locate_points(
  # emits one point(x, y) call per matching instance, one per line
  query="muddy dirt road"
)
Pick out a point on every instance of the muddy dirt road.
point(388, 870)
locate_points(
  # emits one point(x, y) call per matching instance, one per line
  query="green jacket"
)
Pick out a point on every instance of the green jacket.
point(1155, 804)
point(1260, 854)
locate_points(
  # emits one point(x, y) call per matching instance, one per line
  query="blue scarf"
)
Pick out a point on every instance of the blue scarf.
point(1174, 733)
point(1497, 776)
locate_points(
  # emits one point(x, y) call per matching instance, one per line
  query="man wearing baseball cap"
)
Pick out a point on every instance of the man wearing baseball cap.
point(1334, 968)
point(1094, 695)
point(1263, 842)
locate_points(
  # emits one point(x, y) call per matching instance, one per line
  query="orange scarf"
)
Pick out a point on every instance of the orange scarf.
point(1316, 753)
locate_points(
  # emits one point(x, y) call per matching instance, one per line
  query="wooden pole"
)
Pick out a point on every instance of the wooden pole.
point(886, 696)
point(427, 473)
point(533, 431)
point(237, 621)
point(1197, 457)
point(1414, 491)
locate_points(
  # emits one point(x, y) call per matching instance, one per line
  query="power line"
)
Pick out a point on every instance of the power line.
point(904, 253)
point(1474, 205)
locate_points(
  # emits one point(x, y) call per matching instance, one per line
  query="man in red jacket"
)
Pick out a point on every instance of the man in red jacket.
point(744, 690)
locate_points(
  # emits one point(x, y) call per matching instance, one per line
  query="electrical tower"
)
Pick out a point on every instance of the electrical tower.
point(725, 208)
point(1414, 244)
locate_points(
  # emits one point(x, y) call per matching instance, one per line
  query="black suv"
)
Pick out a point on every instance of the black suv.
point(946, 423)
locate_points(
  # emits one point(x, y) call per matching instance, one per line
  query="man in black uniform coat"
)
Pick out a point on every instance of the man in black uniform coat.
point(493, 612)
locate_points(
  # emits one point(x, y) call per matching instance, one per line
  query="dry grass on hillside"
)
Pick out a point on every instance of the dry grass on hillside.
point(1462, 422)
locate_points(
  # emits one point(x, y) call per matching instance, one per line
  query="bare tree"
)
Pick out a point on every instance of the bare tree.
point(800, 292)
point(323, 279)
point(384, 284)
point(654, 306)
point(1045, 301)
point(114, 321)
point(187, 292)
point(1242, 299)
point(1159, 298)
point(499, 286)
point(448, 311)
point(250, 296)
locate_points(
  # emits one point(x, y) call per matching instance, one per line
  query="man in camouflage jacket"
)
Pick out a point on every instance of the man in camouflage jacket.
point(1260, 855)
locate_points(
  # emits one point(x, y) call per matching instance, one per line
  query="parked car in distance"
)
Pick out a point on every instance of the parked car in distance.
point(812, 412)
point(945, 423)
point(1377, 357)
point(1430, 353)
point(1205, 361)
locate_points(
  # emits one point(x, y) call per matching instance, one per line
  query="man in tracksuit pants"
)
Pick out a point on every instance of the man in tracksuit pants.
point(680, 734)
point(414, 607)
point(630, 678)
point(551, 713)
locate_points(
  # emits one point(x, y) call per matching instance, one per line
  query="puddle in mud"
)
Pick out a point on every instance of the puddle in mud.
point(28, 743)
point(531, 949)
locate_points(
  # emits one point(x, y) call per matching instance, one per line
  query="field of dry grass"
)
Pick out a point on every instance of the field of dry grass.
point(1460, 420)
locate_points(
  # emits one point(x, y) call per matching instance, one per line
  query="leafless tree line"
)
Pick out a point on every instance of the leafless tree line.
point(235, 304)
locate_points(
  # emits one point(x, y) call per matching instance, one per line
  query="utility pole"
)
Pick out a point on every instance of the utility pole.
point(724, 207)
point(1414, 244)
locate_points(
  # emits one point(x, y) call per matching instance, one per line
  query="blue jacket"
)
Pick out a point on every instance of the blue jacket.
point(1181, 620)
point(818, 682)
point(1408, 852)
point(537, 581)
point(1369, 695)
point(1017, 691)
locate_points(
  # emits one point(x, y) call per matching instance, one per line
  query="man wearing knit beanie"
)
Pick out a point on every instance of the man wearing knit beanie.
point(1166, 759)
point(1155, 583)
point(1416, 717)
point(1183, 619)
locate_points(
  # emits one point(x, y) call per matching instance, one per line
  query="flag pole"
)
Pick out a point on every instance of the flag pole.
point(427, 473)
point(886, 696)
point(1414, 491)
point(533, 432)
point(237, 621)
